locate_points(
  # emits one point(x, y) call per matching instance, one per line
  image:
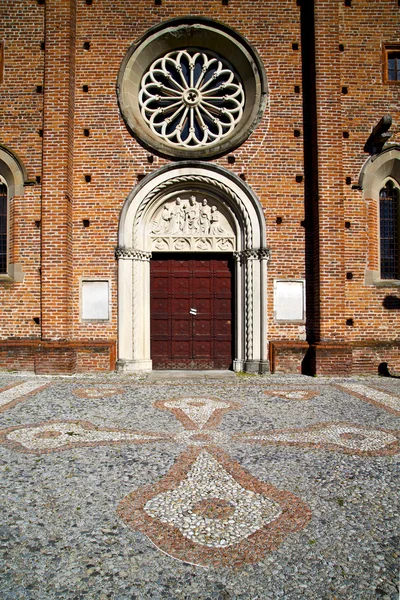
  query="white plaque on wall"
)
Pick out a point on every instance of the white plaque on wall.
point(95, 300)
point(289, 300)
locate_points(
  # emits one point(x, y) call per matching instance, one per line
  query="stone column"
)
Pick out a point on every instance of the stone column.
point(238, 363)
point(134, 307)
point(264, 255)
point(254, 263)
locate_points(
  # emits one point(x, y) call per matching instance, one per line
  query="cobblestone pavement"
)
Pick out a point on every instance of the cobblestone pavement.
point(259, 487)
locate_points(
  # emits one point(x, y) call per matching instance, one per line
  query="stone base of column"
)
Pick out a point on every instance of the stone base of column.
point(252, 366)
point(238, 365)
point(264, 367)
point(134, 366)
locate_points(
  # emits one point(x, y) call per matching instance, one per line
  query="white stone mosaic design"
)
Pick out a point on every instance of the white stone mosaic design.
point(290, 394)
point(56, 435)
point(347, 436)
point(374, 395)
point(96, 392)
point(17, 391)
point(199, 410)
point(207, 436)
point(208, 482)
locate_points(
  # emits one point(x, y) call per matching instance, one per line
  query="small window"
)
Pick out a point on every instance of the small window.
point(389, 216)
point(394, 66)
point(391, 59)
point(3, 227)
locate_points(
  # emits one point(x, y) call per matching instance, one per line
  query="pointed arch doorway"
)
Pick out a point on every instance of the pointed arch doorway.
point(182, 213)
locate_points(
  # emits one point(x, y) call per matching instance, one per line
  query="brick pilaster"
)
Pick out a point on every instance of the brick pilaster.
point(330, 173)
point(57, 168)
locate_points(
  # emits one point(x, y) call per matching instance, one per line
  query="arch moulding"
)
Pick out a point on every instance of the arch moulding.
point(373, 175)
point(192, 207)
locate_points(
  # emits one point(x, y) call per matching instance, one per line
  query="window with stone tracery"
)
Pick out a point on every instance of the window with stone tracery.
point(389, 220)
point(191, 88)
point(3, 227)
point(191, 98)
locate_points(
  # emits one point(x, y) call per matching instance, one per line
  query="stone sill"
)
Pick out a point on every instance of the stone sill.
point(14, 274)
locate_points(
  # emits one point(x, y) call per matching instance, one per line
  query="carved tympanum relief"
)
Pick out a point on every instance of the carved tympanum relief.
point(191, 224)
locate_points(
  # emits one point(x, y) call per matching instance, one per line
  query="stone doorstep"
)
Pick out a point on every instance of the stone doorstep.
point(191, 375)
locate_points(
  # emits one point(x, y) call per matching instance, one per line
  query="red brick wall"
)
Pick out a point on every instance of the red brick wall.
point(21, 119)
point(269, 160)
point(364, 28)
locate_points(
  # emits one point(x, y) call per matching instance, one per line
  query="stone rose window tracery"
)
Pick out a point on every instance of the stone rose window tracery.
point(191, 88)
point(191, 98)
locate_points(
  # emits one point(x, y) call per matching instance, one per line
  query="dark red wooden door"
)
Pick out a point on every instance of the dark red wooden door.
point(191, 311)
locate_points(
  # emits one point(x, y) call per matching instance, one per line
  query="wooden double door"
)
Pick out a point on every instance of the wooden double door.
point(191, 311)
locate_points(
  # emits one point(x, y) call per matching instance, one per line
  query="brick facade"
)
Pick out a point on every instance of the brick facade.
point(60, 117)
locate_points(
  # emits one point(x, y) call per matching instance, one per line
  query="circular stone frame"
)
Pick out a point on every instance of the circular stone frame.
point(183, 33)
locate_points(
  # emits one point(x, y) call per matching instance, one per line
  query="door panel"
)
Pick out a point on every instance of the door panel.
point(191, 311)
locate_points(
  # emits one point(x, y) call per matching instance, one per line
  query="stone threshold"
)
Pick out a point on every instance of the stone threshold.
point(191, 375)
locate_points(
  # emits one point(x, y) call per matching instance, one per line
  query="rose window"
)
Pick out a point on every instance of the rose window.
point(191, 98)
point(191, 88)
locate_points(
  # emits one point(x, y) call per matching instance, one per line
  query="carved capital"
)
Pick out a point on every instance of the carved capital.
point(264, 253)
point(253, 254)
point(131, 254)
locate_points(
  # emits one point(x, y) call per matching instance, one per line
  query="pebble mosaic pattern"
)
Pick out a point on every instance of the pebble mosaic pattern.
point(344, 437)
point(97, 392)
point(12, 395)
point(292, 394)
point(208, 481)
point(198, 411)
point(389, 402)
point(207, 509)
point(56, 436)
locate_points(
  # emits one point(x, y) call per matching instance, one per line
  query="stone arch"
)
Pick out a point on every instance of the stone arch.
point(373, 175)
point(14, 175)
point(244, 225)
point(13, 172)
point(378, 168)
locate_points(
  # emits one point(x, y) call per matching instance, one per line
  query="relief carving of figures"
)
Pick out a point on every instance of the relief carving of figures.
point(189, 217)
point(191, 224)
point(225, 244)
point(178, 218)
point(215, 225)
point(192, 216)
point(205, 217)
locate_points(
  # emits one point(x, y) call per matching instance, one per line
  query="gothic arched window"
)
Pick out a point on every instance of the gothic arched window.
point(389, 231)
